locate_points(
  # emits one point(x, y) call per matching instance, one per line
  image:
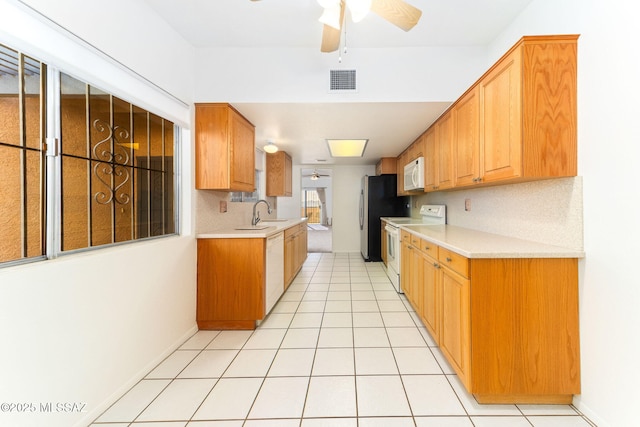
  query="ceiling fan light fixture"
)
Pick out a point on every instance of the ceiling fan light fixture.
point(270, 147)
point(359, 9)
point(331, 16)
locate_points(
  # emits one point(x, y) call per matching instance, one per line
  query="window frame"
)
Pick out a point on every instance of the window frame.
point(51, 229)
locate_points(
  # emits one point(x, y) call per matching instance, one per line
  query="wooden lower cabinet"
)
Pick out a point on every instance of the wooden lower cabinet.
point(295, 251)
point(455, 339)
point(507, 326)
point(431, 297)
point(231, 283)
point(232, 278)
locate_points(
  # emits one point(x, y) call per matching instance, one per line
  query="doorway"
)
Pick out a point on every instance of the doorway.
point(315, 205)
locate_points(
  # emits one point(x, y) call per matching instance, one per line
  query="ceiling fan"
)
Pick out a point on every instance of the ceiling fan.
point(315, 175)
point(399, 13)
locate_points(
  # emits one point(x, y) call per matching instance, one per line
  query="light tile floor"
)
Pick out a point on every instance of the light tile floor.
point(340, 349)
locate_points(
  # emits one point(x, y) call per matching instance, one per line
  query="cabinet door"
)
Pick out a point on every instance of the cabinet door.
point(288, 261)
point(228, 291)
point(405, 269)
point(279, 174)
point(467, 139)
point(242, 153)
point(212, 147)
point(501, 114)
point(444, 151)
point(288, 177)
point(431, 297)
point(430, 160)
point(455, 338)
point(417, 148)
point(400, 162)
point(417, 279)
point(302, 245)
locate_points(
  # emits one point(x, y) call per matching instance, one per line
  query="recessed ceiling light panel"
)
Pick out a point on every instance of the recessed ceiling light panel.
point(347, 147)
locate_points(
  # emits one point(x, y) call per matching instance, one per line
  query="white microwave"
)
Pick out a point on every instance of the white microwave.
point(414, 175)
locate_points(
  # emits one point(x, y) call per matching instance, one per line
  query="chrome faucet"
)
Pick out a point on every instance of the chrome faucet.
point(256, 215)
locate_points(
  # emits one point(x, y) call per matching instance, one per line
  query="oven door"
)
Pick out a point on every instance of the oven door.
point(393, 255)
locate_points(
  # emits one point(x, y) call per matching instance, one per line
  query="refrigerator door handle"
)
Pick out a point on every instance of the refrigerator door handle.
point(361, 209)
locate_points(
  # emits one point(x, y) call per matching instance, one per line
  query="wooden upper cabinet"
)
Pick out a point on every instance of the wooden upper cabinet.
point(517, 123)
point(402, 160)
point(501, 94)
point(416, 149)
point(385, 166)
point(430, 160)
point(528, 111)
point(444, 151)
point(225, 149)
point(279, 178)
point(466, 118)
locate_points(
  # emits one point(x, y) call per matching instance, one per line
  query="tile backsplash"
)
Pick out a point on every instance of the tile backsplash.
point(547, 211)
point(209, 217)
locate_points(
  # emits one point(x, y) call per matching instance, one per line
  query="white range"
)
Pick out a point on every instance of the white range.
point(430, 215)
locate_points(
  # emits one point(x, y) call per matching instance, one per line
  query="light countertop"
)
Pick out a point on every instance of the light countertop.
point(477, 244)
point(272, 227)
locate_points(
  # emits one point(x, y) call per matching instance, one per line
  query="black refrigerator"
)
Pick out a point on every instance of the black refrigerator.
point(377, 199)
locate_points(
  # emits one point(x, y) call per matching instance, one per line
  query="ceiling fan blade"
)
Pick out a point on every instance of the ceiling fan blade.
point(331, 36)
point(397, 12)
point(330, 39)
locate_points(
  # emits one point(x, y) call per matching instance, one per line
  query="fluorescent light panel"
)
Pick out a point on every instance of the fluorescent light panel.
point(347, 147)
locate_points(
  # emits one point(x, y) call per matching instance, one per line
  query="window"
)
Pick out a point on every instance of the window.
point(22, 161)
point(244, 196)
point(113, 178)
point(117, 169)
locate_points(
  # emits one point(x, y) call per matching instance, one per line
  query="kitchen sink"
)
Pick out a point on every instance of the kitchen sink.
point(254, 227)
point(275, 220)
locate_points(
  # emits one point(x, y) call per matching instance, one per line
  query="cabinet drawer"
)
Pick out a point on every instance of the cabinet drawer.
point(416, 241)
point(291, 231)
point(406, 237)
point(454, 261)
point(429, 248)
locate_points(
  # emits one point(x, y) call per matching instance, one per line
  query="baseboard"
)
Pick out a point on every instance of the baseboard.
point(106, 404)
point(587, 412)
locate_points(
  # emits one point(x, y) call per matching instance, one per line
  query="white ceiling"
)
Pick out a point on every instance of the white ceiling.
point(294, 23)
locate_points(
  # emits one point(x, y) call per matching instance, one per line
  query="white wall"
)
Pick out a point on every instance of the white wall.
point(285, 75)
point(84, 328)
point(127, 31)
point(346, 202)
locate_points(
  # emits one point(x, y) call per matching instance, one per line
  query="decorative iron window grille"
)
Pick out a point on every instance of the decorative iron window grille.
point(111, 178)
point(117, 169)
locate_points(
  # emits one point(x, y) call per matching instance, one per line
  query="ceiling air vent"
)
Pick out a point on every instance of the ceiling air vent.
point(342, 81)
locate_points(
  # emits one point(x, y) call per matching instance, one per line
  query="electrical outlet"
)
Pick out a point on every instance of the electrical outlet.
point(223, 206)
point(467, 205)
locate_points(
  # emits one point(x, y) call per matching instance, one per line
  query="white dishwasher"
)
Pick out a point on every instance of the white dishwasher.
point(275, 270)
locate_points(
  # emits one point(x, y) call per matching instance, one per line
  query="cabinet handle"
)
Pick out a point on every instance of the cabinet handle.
point(448, 259)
